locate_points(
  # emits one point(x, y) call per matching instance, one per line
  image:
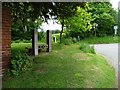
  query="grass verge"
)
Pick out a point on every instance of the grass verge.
point(101, 40)
point(65, 67)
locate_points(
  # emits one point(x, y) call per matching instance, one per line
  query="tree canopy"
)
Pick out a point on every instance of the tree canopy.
point(27, 13)
point(82, 21)
point(78, 18)
point(104, 14)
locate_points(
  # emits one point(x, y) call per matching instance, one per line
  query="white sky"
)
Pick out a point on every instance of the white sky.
point(55, 26)
point(115, 3)
point(51, 26)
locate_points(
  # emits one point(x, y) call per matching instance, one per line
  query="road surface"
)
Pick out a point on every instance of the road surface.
point(110, 51)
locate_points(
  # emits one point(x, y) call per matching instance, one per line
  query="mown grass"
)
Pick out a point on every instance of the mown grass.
point(64, 67)
point(22, 46)
point(101, 40)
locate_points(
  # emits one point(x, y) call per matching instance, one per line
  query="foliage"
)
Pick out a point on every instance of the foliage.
point(104, 16)
point(80, 23)
point(65, 10)
point(29, 11)
point(21, 41)
point(106, 23)
point(20, 63)
point(67, 41)
point(55, 31)
point(23, 30)
point(87, 48)
point(27, 41)
point(74, 40)
point(17, 41)
point(77, 18)
point(41, 36)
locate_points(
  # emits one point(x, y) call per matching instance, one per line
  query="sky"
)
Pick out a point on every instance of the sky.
point(55, 26)
point(51, 26)
point(115, 3)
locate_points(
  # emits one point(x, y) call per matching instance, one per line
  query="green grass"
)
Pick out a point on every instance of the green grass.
point(87, 48)
point(101, 40)
point(64, 67)
point(21, 46)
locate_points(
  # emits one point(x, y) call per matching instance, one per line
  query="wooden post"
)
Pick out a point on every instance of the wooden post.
point(49, 40)
point(35, 42)
point(54, 38)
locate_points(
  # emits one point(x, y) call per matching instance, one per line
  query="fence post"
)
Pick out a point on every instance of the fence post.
point(49, 41)
point(35, 42)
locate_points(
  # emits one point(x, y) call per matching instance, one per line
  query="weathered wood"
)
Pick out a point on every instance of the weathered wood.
point(49, 41)
point(54, 38)
point(35, 42)
point(40, 47)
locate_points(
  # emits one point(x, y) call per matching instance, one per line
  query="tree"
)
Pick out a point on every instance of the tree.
point(23, 30)
point(65, 10)
point(104, 17)
point(44, 10)
point(81, 22)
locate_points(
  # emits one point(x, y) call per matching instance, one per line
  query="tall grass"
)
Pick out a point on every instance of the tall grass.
point(101, 40)
point(87, 48)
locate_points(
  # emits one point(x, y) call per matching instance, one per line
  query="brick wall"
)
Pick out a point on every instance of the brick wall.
point(0, 40)
point(6, 38)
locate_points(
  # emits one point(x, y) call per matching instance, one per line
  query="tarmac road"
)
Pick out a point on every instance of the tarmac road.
point(110, 51)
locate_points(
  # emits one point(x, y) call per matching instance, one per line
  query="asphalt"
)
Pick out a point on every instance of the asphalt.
point(111, 52)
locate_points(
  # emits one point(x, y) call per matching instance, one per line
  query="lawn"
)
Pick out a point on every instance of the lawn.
point(64, 67)
point(101, 40)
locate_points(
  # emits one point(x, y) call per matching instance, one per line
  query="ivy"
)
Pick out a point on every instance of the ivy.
point(20, 63)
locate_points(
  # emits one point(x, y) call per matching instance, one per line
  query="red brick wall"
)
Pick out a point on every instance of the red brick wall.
point(6, 38)
point(0, 38)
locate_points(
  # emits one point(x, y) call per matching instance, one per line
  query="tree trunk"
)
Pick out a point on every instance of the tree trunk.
point(61, 31)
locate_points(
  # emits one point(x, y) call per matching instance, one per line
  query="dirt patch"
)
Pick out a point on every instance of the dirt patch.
point(43, 53)
point(80, 56)
point(89, 84)
point(41, 70)
point(9, 78)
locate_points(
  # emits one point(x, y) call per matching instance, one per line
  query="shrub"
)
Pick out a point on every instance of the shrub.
point(26, 41)
point(67, 41)
point(87, 48)
point(17, 41)
point(20, 63)
point(74, 40)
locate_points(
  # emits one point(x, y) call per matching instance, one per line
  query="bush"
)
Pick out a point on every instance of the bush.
point(87, 48)
point(67, 41)
point(17, 41)
point(74, 40)
point(27, 41)
point(20, 63)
